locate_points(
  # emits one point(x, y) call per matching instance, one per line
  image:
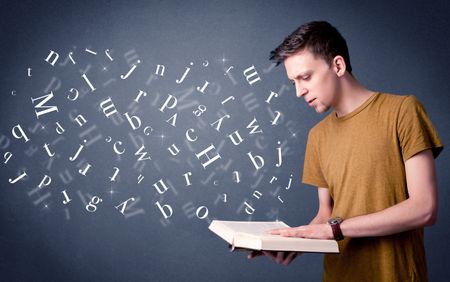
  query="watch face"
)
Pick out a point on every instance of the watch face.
point(335, 220)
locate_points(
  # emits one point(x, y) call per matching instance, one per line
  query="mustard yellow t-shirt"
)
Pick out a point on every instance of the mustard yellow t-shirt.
point(360, 158)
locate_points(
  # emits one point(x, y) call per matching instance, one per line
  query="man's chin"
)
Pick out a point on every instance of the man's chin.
point(321, 109)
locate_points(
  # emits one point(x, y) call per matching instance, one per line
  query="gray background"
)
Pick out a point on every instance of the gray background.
point(399, 48)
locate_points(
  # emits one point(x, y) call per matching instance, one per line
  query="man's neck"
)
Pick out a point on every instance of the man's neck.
point(351, 95)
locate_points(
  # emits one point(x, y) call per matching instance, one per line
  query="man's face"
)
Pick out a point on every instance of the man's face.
point(313, 78)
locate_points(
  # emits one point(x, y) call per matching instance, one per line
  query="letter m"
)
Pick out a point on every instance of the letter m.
point(41, 108)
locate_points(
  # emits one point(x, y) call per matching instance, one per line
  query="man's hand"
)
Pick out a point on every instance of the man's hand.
point(311, 231)
point(279, 257)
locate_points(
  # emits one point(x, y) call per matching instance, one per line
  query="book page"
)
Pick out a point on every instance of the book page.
point(254, 227)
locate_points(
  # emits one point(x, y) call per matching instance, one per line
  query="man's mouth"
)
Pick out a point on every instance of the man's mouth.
point(310, 101)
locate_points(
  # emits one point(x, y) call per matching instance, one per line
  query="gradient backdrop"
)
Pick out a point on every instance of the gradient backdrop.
point(399, 48)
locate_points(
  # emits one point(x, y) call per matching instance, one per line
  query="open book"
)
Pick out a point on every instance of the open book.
point(254, 235)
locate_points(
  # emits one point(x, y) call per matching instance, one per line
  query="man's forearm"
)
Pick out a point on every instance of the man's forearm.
point(404, 216)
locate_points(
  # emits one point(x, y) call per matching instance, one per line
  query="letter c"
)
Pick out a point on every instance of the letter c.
point(115, 148)
point(189, 138)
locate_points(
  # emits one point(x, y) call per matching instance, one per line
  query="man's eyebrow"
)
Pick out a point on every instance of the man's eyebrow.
point(307, 72)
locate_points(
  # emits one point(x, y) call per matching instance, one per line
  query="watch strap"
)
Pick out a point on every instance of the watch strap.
point(335, 224)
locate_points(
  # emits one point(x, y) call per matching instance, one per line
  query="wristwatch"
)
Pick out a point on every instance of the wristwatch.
point(335, 224)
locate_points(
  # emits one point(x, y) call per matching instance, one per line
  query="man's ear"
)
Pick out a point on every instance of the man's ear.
point(339, 66)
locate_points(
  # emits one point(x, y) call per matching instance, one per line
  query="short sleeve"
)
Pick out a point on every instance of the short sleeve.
point(312, 172)
point(415, 130)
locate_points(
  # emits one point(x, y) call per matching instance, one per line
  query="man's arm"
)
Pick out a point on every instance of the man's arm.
point(419, 210)
point(325, 206)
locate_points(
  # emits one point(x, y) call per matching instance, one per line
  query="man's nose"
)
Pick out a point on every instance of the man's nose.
point(301, 92)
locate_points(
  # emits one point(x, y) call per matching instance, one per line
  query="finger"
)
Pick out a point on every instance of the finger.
point(290, 257)
point(288, 233)
point(270, 254)
point(280, 257)
point(294, 232)
point(274, 231)
point(279, 230)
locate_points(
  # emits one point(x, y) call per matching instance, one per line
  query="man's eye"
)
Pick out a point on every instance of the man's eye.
point(307, 77)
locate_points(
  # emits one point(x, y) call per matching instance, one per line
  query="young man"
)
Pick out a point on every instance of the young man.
point(372, 159)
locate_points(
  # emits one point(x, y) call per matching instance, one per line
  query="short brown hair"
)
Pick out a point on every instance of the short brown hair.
point(319, 37)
